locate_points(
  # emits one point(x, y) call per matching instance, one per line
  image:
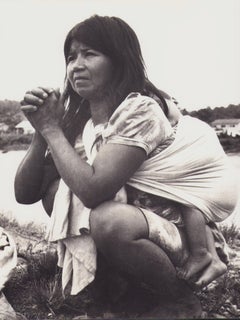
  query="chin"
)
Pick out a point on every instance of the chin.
point(86, 94)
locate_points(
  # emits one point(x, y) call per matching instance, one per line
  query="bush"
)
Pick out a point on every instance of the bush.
point(28, 229)
point(231, 233)
point(230, 144)
point(10, 139)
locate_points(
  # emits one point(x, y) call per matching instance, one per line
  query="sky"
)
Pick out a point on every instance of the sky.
point(191, 48)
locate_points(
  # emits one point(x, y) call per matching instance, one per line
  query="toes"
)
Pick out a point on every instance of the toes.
point(200, 284)
point(179, 272)
point(182, 274)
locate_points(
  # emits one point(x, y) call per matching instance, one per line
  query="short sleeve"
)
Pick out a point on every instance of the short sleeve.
point(138, 121)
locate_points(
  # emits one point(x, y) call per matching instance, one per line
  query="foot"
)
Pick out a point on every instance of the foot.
point(189, 308)
point(214, 270)
point(194, 265)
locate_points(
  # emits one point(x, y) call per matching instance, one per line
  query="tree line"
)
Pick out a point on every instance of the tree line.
point(11, 114)
point(209, 115)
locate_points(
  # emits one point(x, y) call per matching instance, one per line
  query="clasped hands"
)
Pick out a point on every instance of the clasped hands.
point(43, 107)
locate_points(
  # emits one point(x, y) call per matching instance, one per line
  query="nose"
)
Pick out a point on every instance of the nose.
point(79, 62)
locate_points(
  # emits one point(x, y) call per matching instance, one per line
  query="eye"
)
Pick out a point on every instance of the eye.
point(70, 58)
point(89, 53)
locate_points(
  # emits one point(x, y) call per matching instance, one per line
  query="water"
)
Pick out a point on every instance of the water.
point(8, 205)
point(35, 213)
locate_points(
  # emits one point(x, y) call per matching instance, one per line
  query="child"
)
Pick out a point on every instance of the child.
point(203, 258)
point(194, 170)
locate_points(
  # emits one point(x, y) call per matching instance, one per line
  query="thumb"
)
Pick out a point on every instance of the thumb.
point(61, 105)
point(57, 92)
point(60, 98)
point(64, 95)
point(63, 98)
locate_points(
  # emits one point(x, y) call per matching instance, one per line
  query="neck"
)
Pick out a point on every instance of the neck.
point(101, 111)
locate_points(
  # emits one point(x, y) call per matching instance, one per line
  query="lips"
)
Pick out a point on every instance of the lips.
point(79, 77)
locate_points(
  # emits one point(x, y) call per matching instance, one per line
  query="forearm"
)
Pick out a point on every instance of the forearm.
point(30, 173)
point(76, 173)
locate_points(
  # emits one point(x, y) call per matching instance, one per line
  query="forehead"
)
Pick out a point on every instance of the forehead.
point(78, 46)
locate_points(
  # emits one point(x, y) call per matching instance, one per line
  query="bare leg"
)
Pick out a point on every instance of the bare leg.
point(216, 268)
point(199, 256)
point(120, 232)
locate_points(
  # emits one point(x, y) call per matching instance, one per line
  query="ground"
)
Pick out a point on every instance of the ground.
point(35, 289)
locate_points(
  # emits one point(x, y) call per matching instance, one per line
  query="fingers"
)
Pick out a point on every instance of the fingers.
point(29, 108)
point(47, 90)
point(42, 92)
point(36, 96)
point(31, 99)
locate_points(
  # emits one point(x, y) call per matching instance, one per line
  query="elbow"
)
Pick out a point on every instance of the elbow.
point(94, 199)
point(24, 200)
point(19, 197)
point(90, 202)
point(94, 193)
point(25, 197)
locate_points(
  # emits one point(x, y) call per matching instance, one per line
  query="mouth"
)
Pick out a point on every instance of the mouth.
point(79, 78)
point(80, 81)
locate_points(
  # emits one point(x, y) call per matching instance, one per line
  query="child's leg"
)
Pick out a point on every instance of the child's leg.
point(199, 256)
point(121, 196)
point(216, 268)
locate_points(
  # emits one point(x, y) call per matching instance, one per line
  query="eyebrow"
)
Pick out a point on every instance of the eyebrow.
point(72, 49)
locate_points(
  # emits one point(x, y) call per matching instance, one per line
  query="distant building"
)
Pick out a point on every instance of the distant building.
point(24, 127)
point(231, 127)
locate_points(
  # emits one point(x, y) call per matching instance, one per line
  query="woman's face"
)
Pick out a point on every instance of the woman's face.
point(89, 71)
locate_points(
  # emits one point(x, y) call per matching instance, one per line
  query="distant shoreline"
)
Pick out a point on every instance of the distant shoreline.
point(15, 147)
point(25, 148)
point(229, 144)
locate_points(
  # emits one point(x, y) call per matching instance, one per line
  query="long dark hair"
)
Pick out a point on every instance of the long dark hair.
point(117, 40)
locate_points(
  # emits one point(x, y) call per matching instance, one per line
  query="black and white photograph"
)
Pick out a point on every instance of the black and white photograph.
point(119, 159)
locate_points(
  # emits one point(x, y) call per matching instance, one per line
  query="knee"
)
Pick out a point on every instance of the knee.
point(105, 223)
point(114, 223)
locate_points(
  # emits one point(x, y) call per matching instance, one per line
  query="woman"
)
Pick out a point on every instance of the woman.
point(113, 108)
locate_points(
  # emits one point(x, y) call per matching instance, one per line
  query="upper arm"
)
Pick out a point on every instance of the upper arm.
point(114, 165)
point(135, 129)
point(50, 174)
point(49, 196)
point(49, 186)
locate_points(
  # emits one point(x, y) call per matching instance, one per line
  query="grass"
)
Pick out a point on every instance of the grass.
point(231, 233)
point(28, 230)
point(35, 290)
point(221, 299)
